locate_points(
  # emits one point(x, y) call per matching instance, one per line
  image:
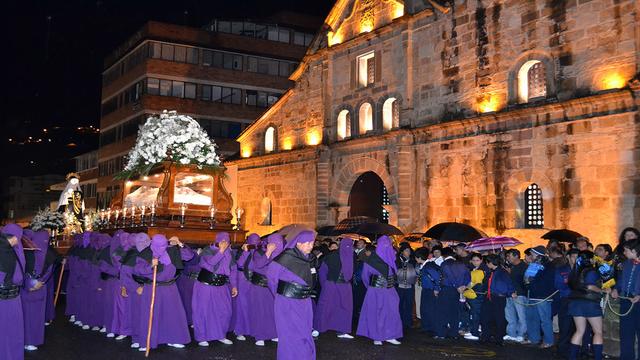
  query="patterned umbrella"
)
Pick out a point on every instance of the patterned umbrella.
point(493, 243)
point(291, 231)
point(348, 225)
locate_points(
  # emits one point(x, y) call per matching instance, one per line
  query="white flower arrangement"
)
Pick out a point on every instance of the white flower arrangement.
point(170, 137)
point(47, 219)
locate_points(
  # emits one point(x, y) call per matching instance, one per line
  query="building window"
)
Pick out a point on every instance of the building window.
point(366, 69)
point(270, 140)
point(344, 125)
point(365, 118)
point(532, 81)
point(390, 114)
point(533, 212)
point(385, 201)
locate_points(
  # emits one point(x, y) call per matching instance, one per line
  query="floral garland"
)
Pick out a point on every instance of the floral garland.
point(47, 219)
point(172, 137)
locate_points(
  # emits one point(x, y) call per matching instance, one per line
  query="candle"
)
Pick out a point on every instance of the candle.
point(183, 208)
point(153, 208)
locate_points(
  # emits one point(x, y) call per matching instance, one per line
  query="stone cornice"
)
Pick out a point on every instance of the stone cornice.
point(278, 158)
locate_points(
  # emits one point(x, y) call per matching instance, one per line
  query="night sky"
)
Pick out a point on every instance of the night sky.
point(55, 52)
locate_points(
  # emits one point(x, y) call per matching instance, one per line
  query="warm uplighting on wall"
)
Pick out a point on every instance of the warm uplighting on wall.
point(613, 80)
point(398, 11)
point(366, 27)
point(313, 137)
point(487, 103)
point(287, 144)
point(334, 38)
point(246, 152)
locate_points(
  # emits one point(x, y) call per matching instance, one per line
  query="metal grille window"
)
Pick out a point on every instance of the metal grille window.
point(385, 201)
point(537, 81)
point(533, 212)
point(371, 70)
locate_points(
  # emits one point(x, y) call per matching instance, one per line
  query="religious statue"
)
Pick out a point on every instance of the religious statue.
point(72, 198)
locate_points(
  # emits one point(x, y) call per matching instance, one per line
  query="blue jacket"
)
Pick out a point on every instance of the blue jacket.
point(561, 281)
point(626, 284)
point(430, 276)
point(455, 274)
point(501, 284)
point(541, 285)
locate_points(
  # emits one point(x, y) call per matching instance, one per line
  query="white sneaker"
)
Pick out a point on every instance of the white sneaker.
point(85, 327)
point(72, 318)
point(471, 337)
point(77, 322)
point(142, 349)
point(241, 337)
point(274, 339)
point(120, 337)
point(378, 343)
point(95, 328)
point(47, 323)
point(260, 343)
point(177, 346)
point(519, 339)
point(135, 345)
point(226, 341)
point(110, 335)
point(30, 348)
point(508, 338)
point(345, 336)
point(203, 343)
point(394, 342)
point(315, 333)
point(103, 330)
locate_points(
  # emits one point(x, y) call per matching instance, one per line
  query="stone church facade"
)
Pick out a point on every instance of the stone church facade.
point(512, 116)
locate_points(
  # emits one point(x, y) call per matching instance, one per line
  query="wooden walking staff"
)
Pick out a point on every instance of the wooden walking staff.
point(153, 301)
point(55, 300)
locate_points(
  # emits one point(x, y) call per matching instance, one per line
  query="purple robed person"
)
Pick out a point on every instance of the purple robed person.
point(290, 279)
point(77, 260)
point(185, 283)
point(12, 263)
point(169, 320)
point(34, 293)
point(380, 315)
point(109, 266)
point(241, 303)
point(95, 302)
point(262, 320)
point(129, 287)
point(335, 305)
point(121, 314)
point(212, 292)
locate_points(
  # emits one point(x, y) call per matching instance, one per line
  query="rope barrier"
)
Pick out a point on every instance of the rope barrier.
point(607, 303)
point(537, 302)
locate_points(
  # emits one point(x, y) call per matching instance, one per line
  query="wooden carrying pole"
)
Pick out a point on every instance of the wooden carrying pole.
point(153, 301)
point(55, 300)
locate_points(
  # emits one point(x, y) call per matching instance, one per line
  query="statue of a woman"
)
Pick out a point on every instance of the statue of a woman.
point(72, 198)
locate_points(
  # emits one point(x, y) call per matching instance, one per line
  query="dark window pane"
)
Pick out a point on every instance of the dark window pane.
point(263, 66)
point(272, 98)
point(307, 39)
point(284, 35)
point(205, 92)
point(236, 28)
point(226, 95)
point(237, 62)
point(156, 51)
point(167, 52)
point(233, 129)
point(216, 93)
point(192, 55)
point(273, 33)
point(251, 97)
point(177, 89)
point(236, 96)
point(252, 64)
point(298, 38)
point(224, 26)
point(284, 69)
point(217, 59)
point(261, 31)
point(273, 67)
point(262, 99)
point(207, 57)
point(249, 29)
point(180, 54)
point(190, 91)
point(165, 87)
point(153, 86)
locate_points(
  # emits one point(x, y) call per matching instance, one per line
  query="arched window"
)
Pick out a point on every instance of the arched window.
point(365, 118)
point(532, 81)
point(344, 125)
point(270, 140)
point(533, 212)
point(390, 114)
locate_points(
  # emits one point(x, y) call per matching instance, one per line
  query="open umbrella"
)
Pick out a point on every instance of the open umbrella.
point(493, 243)
point(453, 231)
point(356, 237)
point(562, 235)
point(377, 228)
point(325, 230)
point(348, 225)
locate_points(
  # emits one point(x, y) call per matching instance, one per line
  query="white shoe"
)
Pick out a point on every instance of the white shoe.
point(471, 337)
point(142, 349)
point(260, 343)
point(241, 338)
point(72, 318)
point(345, 336)
point(518, 339)
point(95, 328)
point(110, 335)
point(393, 342)
point(226, 341)
point(203, 343)
point(177, 346)
point(120, 337)
point(378, 343)
point(77, 322)
point(85, 327)
point(315, 333)
point(508, 338)
point(103, 330)
point(30, 348)
point(274, 339)
point(47, 323)
point(135, 345)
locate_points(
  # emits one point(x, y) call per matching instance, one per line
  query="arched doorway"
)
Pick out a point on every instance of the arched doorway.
point(367, 196)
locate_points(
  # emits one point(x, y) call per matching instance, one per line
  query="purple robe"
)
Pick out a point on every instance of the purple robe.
point(34, 302)
point(12, 328)
point(262, 319)
point(50, 309)
point(293, 318)
point(242, 302)
point(380, 314)
point(335, 305)
point(169, 320)
point(185, 284)
point(211, 305)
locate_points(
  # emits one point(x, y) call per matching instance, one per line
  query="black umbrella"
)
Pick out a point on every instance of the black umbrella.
point(453, 231)
point(325, 230)
point(562, 235)
point(348, 225)
point(377, 229)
